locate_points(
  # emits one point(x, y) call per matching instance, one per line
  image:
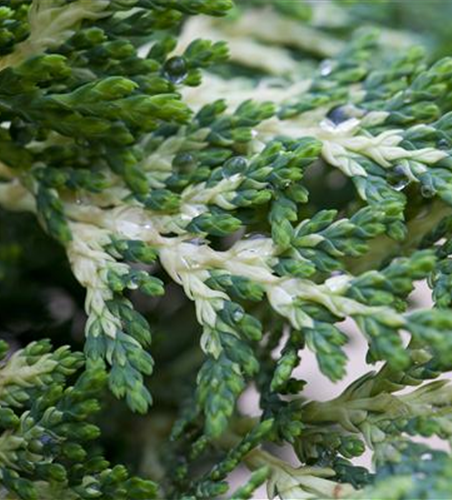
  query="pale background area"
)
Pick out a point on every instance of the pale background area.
point(321, 388)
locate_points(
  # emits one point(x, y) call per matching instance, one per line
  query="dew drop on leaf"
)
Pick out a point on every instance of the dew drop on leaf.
point(428, 191)
point(175, 69)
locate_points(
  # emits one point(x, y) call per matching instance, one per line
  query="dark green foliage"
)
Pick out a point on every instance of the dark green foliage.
point(46, 430)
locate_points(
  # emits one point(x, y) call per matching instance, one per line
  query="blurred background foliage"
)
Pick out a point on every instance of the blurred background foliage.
point(424, 19)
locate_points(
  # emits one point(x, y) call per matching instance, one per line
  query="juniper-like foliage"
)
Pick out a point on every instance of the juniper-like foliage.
point(263, 172)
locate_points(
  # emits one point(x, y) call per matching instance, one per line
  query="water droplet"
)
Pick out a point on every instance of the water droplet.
point(46, 439)
point(346, 126)
point(399, 170)
point(175, 69)
point(326, 67)
point(183, 161)
point(338, 115)
point(237, 315)
point(235, 165)
point(254, 236)
point(399, 177)
point(196, 241)
point(428, 191)
point(443, 144)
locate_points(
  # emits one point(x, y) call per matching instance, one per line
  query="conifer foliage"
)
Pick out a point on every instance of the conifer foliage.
point(263, 168)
